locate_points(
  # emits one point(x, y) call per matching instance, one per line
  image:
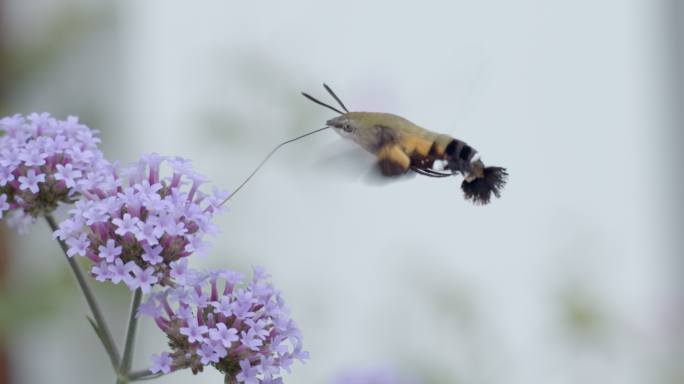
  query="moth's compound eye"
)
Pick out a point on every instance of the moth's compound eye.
point(347, 127)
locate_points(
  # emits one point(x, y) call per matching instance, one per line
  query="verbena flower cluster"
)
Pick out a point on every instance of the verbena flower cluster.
point(241, 332)
point(42, 163)
point(138, 228)
point(374, 375)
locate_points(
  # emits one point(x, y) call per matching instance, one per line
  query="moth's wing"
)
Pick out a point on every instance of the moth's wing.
point(416, 153)
point(393, 159)
point(453, 86)
point(375, 177)
point(342, 160)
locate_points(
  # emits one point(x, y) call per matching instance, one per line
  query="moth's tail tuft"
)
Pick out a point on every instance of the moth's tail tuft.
point(480, 190)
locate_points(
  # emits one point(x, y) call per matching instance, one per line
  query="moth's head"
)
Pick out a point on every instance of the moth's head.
point(343, 125)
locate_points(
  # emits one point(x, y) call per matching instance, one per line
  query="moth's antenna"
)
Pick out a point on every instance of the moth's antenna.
point(262, 163)
point(335, 96)
point(321, 103)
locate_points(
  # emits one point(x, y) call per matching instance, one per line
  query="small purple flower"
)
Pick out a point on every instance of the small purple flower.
point(149, 232)
point(121, 271)
point(195, 244)
point(162, 363)
point(299, 354)
point(110, 252)
point(224, 334)
point(133, 215)
point(143, 279)
point(208, 354)
point(184, 313)
point(31, 180)
point(266, 367)
point(194, 331)
point(180, 271)
point(223, 307)
point(78, 245)
point(125, 225)
point(217, 346)
point(32, 157)
point(249, 341)
point(202, 332)
point(151, 254)
point(285, 361)
point(38, 169)
point(201, 301)
point(181, 294)
point(258, 327)
point(150, 309)
point(102, 272)
point(68, 174)
point(248, 373)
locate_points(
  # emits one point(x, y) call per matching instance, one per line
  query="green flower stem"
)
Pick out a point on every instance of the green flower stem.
point(102, 328)
point(130, 336)
point(145, 374)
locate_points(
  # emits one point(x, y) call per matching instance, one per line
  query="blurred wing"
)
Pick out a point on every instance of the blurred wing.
point(342, 160)
point(393, 160)
point(446, 97)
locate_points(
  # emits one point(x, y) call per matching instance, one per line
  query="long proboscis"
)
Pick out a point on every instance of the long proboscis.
point(262, 163)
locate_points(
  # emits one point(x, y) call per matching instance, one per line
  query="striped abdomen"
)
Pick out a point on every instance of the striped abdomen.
point(420, 152)
point(401, 146)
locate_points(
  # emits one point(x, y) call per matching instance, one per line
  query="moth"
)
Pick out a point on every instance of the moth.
point(401, 146)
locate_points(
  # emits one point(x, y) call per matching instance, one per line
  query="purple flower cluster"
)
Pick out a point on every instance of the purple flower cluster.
point(42, 163)
point(139, 228)
point(241, 332)
point(141, 233)
point(374, 375)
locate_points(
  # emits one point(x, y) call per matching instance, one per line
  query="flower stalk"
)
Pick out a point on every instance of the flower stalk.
point(130, 335)
point(102, 327)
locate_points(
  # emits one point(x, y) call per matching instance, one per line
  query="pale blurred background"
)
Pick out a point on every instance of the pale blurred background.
point(573, 276)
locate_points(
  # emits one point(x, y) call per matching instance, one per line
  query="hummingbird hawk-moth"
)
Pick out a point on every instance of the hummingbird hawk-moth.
point(401, 146)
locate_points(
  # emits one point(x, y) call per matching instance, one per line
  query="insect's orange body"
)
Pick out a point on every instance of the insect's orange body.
point(401, 146)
